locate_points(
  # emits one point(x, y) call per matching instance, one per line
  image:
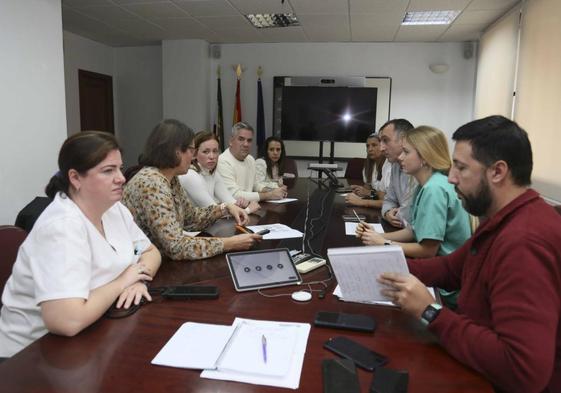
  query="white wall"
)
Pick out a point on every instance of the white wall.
point(31, 100)
point(137, 83)
point(186, 94)
point(84, 54)
point(444, 101)
point(137, 87)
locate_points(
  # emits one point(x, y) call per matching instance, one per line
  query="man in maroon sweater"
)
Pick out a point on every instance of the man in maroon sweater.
point(507, 325)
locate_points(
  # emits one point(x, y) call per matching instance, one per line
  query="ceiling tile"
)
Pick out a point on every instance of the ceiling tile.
point(478, 17)
point(420, 33)
point(327, 34)
point(226, 21)
point(127, 2)
point(284, 34)
point(429, 5)
point(382, 18)
point(85, 3)
point(331, 7)
point(326, 28)
point(207, 7)
point(363, 29)
point(233, 35)
point(378, 6)
point(327, 21)
point(261, 6)
point(105, 13)
point(139, 28)
point(462, 32)
point(156, 10)
point(502, 5)
point(95, 30)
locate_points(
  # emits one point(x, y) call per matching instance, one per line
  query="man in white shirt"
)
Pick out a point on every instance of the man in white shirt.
point(237, 167)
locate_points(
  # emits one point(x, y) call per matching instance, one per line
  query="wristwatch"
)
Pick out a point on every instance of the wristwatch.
point(430, 313)
point(222, 207)
point(387, 242)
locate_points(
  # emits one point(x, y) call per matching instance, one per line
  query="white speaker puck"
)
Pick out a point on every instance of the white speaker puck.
point(301, 296)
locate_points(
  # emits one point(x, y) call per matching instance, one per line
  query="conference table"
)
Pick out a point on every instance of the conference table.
point(114, 355)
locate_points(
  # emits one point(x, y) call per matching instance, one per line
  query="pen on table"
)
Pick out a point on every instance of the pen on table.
point(264, 347)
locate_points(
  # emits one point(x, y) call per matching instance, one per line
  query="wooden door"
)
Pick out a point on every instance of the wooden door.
point(96, 101)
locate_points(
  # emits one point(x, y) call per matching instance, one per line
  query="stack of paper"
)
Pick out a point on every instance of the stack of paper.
point(258, 352)
point(357, 268)
point(278, 231)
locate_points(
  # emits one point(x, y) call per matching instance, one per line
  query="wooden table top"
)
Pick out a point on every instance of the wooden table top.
point(113, 355)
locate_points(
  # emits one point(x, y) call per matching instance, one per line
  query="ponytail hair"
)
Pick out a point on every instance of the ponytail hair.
point(81, 152)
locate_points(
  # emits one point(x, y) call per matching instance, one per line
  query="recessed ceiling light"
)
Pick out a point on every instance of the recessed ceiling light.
point(430, 17)
point(263, 21)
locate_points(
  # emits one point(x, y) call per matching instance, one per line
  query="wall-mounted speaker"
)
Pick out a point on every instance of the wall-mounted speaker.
point(215, 51)
point(468, 49)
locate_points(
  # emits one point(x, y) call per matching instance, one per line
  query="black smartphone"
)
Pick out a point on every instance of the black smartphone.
point(362, 356)
point(185, 292)
point(352, 217)
point(361, 323)
point(263, 232)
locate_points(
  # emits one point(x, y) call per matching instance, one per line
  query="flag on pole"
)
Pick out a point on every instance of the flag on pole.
point(238, 104)
point(219, 120)
point(260, 123)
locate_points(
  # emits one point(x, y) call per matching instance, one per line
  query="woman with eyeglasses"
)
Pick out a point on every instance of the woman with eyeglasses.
point(161, 208)
point(376, 176)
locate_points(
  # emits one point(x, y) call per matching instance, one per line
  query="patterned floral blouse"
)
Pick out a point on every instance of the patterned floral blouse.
point(162, 210)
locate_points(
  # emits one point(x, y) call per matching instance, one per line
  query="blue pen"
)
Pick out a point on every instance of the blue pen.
point(264, 347)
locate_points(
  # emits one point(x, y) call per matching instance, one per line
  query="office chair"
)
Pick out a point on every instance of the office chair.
point(354, 168)
point(11, 237)
point(290, 167)
point(30, 213)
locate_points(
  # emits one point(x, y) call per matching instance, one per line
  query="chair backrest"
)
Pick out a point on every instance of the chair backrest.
point(354, 168)
point(11, 238)
point(30, 213)
point(290, 167)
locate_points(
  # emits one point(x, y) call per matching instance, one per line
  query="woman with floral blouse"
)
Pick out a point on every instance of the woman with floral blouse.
point(160, 206)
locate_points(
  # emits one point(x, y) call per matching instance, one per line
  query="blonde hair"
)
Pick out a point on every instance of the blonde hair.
point(432, 146)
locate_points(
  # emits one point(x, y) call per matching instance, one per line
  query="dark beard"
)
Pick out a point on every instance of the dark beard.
point(479, 203)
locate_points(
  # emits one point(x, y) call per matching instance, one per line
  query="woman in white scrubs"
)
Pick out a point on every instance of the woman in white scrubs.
point(84, 252)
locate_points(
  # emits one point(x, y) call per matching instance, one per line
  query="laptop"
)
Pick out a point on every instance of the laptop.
point(260, 269)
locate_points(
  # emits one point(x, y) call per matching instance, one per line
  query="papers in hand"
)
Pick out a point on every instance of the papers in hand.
point(277, 231)
point(357, 268)
point(350, 228)
point(234, 352)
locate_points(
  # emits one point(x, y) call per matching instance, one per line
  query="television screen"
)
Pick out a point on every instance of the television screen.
point(341, 114)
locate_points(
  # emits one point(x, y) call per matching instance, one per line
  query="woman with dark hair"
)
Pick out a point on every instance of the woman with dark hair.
point(84, 252)
point(160, 206)
point(203, 185)
point(270, 169)
point(376, 175)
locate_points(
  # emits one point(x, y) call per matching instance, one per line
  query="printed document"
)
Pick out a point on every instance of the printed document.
point(278, 231)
